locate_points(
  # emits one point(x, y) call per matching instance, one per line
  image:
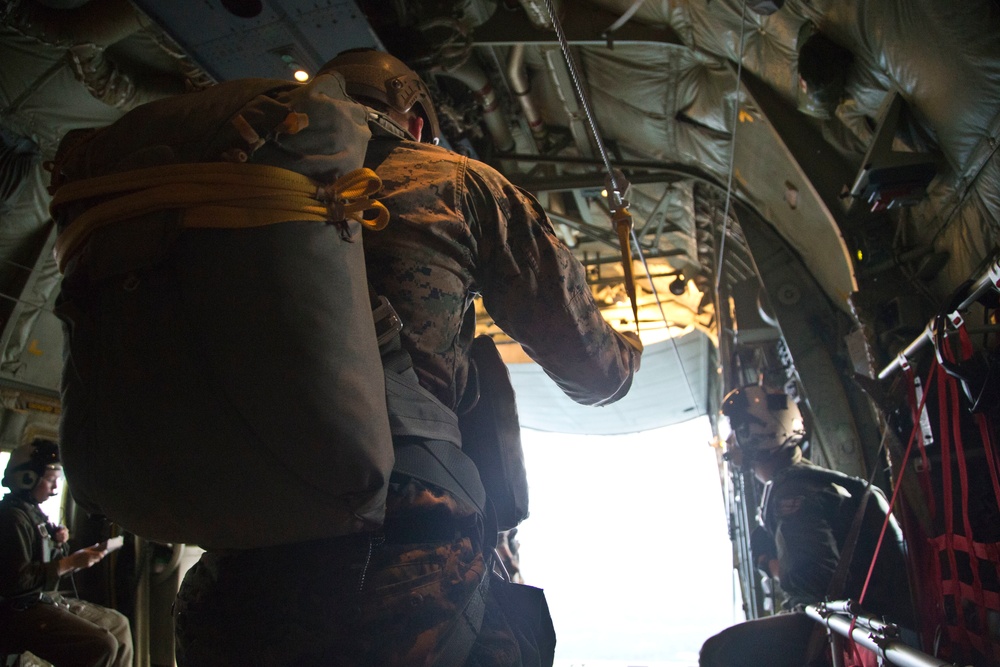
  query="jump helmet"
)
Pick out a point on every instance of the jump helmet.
point(378, 76)
point(763, 421)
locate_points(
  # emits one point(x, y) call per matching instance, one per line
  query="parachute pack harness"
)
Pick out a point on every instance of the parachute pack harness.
point(223, 333)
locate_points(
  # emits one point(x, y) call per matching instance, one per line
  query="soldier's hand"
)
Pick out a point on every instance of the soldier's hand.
point(81, 560)
point(61, 535)
point(632, 339)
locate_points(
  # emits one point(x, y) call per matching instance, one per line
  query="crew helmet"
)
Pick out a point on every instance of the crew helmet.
point(763, 421)
point(378, 76)
point(29, 462)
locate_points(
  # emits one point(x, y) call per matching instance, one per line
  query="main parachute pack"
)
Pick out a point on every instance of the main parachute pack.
point(222, 384)
point(219, 386)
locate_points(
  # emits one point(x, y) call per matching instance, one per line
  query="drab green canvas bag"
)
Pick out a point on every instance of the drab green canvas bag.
point(223, 387)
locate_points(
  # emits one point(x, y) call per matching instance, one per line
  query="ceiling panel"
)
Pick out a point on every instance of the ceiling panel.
point(230, 46)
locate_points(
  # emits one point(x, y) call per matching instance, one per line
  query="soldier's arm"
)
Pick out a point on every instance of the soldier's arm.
point(536, 291)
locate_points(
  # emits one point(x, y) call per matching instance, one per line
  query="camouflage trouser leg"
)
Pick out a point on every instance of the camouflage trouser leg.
point(333, 603)
point(416, 597)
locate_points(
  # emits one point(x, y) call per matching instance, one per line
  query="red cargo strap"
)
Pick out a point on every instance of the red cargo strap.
point(982, 420)
point(963, 630)
point(899, 482)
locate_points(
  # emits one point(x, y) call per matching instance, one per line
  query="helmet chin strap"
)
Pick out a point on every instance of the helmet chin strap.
point(382, 123)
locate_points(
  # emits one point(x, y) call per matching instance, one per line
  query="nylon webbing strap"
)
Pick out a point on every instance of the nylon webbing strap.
point(414, 411)
point(465, 628)
point(425, 433)
point(839, 578)
point(444, 465)
point(836, 588)
point(215, 195)
point(981, 418)
point(951, 438)
point(916, 397)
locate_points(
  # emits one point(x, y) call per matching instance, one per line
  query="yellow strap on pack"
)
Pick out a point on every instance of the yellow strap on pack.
point(217, 195)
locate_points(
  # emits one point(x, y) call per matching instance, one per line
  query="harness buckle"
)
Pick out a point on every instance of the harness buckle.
point(387, 321)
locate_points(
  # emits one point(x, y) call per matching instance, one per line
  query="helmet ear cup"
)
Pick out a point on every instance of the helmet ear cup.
point(26, 480)
point(27, 463)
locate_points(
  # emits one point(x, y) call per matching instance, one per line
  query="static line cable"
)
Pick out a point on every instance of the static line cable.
point(620, 215)
point(666, 323)
point(584, 102)
point(732, 150)
point(25, 302)
point(18, 266)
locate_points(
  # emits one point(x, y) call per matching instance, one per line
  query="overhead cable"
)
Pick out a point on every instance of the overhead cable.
point(732, 151)
point(621, 217)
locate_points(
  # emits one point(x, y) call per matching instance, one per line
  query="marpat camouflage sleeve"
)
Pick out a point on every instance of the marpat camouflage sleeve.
point(536, 291)
point(457, 229)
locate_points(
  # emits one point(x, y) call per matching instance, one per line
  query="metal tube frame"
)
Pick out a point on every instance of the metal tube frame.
point(872, 633)
point(988, 281)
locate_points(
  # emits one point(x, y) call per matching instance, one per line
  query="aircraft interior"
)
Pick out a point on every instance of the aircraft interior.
point(813, 188)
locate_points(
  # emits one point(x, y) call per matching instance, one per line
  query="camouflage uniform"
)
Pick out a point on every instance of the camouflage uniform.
point(458, 228)
point(808, 512)
point(36, 618)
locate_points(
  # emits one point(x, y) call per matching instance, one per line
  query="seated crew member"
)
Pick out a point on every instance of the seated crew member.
point(34, 617)
point(808, 511)
point(457, 229)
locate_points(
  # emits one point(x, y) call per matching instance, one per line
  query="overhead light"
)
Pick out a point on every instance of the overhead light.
point(679, 285)
point(292, 58)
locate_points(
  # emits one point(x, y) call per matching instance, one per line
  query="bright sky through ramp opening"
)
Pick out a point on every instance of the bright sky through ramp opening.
point(628, 537)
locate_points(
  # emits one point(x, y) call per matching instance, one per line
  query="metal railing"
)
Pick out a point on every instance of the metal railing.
point(990, 280)
point(844, 619)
